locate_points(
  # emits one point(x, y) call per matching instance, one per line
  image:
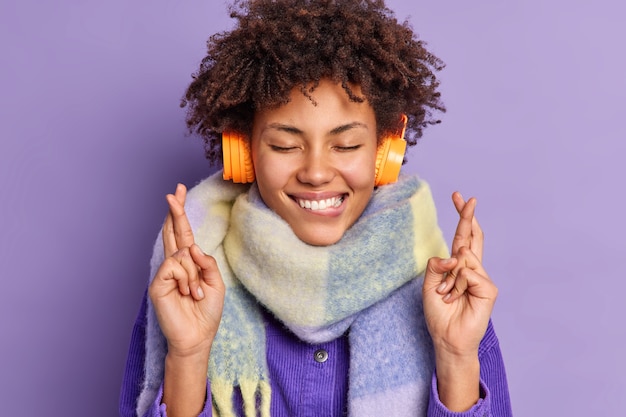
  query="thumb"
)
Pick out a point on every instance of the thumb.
point(209, 271)
point(436, 270)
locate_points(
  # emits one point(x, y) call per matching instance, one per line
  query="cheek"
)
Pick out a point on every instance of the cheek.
point(271, 175)
point(361, 173)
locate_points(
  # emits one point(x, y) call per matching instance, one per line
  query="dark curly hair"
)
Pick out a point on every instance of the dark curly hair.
point(279, 45)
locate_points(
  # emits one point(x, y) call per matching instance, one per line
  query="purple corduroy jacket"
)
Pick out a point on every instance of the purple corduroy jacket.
point(312, 380)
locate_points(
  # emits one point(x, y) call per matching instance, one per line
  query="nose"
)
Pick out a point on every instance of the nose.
point(316, 169)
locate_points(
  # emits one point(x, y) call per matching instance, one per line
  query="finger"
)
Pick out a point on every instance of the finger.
point(459, 286)
point(471, 282)
point(463, 233)
point(209, 270)
point(467, 261)
point(478, 239)
point(180, 193)
point(466, 258)
point(182, 229)
point(183, 256)
point(169, 240)
point(170, 276)
point(437, 270)
point(477, 236)
point(447, 282)
point(459, 201)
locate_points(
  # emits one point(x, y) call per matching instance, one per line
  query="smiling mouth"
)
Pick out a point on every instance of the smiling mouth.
point(317, 205)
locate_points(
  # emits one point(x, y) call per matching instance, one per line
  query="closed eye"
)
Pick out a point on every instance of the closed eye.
point(347, 148)
point(282, 148)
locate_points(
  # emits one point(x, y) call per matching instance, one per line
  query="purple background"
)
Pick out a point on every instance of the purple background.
point(92, 138)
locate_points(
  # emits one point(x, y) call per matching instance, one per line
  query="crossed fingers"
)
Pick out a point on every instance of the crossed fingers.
point(468, 232)
point(178, 241)
point(177, 233)
point(467, 250)
point(466, 275)
point(182, 268)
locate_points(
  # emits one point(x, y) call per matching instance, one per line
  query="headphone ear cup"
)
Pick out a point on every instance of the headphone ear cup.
point(236, 158)
point(389, 157)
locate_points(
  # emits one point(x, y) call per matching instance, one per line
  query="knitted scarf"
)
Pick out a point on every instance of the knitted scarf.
point(369, 282)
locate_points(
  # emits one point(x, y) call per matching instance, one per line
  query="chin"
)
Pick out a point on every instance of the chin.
point(319, 237)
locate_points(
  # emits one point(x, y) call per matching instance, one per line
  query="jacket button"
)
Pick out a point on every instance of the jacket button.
point(320, 356)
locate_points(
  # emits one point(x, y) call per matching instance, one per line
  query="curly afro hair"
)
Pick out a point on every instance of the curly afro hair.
point(279, 45)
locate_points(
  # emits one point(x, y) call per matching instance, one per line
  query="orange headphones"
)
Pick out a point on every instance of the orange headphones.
point(238, 163)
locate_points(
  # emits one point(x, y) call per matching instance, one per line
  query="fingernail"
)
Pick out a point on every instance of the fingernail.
point(200, 293)
point(446, 261)
point(442, 287)
point(447, 297)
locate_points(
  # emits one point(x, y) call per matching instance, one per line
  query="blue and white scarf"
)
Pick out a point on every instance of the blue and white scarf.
point(369, 282)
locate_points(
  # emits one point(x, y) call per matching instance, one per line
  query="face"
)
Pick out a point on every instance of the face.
point(315, 164)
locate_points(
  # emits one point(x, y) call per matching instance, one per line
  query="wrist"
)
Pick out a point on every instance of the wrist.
point(192, 357)
point(446, 357)
point(189, 353)
point(184, 384)
point(458, 380)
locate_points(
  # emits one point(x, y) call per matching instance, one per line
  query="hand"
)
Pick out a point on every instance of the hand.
point(458, 294)
point(187, 291)
point(458, 300)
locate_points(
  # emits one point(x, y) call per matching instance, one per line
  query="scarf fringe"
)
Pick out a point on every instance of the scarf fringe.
point(222, 392)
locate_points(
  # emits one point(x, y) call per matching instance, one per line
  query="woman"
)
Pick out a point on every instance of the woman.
point(324, 287)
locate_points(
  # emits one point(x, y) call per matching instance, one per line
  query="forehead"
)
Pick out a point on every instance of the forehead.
point(328, 105)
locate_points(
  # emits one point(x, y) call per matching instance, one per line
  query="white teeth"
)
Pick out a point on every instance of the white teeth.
point(333, 202)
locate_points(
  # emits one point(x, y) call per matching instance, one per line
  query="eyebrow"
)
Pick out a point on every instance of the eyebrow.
point(343, 128)
point(335, 131)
